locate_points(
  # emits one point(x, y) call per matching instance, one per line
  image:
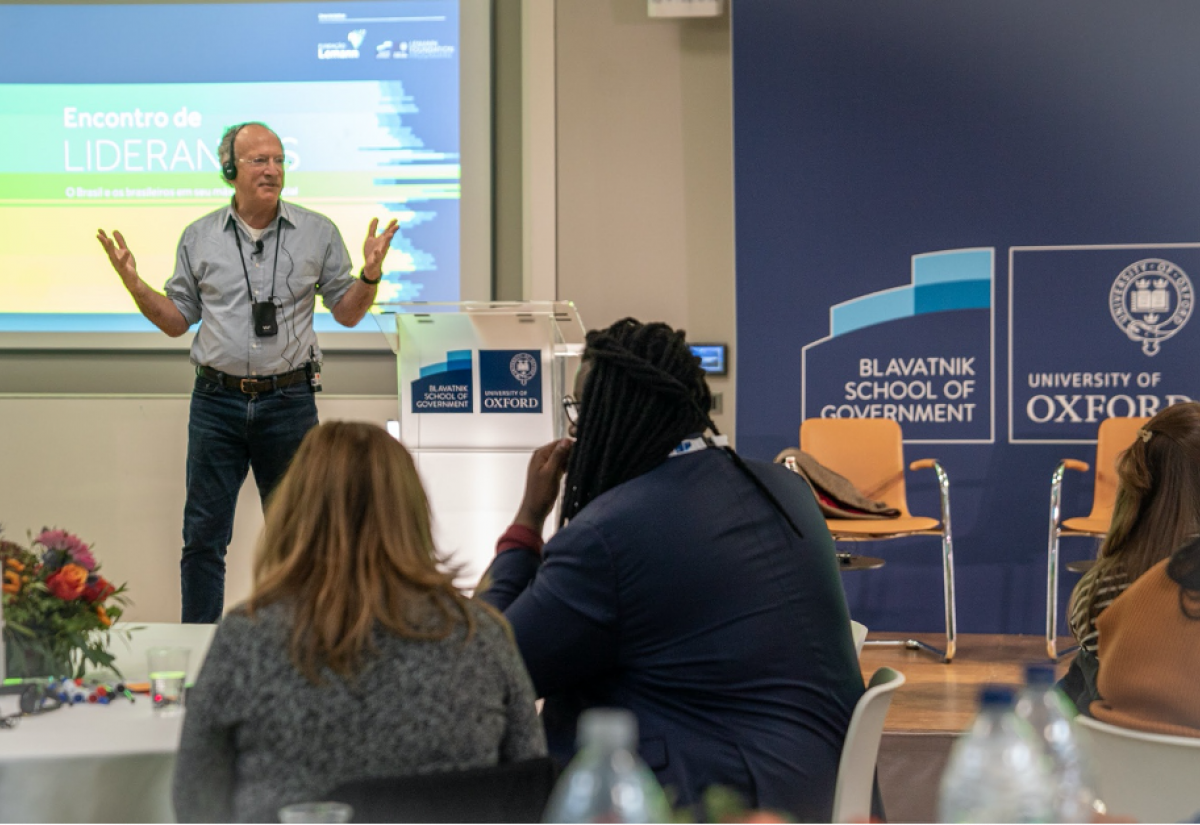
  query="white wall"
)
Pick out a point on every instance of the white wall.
point(111, 470)
point(645, 170)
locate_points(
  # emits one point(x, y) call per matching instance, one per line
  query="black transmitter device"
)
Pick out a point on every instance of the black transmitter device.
point(265, 324)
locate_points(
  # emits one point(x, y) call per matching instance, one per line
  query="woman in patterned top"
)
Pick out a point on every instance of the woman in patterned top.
point(355, 657)
point(1157, 508)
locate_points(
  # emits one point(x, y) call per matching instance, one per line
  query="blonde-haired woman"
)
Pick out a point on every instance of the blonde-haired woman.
point(1157, 508)
point(355, 657)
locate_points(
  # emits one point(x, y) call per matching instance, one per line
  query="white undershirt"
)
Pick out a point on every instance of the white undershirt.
point(255, 234)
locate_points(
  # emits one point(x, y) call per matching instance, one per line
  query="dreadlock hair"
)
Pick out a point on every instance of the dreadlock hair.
point(644, 392)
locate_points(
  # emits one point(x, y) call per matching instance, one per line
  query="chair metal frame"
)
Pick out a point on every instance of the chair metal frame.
point(945, 532)
point(860, 750)
point(1112, 431)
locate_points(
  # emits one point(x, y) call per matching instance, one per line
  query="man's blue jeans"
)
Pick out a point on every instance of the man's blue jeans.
point(229, 433)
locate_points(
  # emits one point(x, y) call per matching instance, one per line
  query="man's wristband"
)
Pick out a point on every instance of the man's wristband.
point(362, 276)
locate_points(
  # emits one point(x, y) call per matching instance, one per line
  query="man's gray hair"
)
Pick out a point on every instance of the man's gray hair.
point(225, 147)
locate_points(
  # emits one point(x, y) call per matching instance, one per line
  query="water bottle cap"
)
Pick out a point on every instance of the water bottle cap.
point(1039, 674)
point(609, 727)
point(997, 696)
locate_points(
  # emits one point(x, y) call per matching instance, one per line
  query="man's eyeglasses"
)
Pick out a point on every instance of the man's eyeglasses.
point(261, 161)
point(571, 408)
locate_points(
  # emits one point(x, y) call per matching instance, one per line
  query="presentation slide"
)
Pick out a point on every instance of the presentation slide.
point(111, 116)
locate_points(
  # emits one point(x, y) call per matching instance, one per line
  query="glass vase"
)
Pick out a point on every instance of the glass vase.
point(26, 660)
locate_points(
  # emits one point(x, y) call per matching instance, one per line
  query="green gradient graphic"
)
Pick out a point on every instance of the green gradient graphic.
point(78, 188)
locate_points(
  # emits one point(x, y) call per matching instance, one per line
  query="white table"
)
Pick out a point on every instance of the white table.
point(98, 763)
point(89, 763)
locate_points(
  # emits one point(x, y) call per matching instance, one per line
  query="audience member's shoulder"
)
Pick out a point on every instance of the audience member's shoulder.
point(489, 621)
point(630, 498)
point(1160, 570)
point(235, 617)
point(1154, 583)
point(760, 466)
point(239, 622)
point(773, 473)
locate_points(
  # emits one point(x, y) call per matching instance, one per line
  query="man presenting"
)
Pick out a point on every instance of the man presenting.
point(251, 272)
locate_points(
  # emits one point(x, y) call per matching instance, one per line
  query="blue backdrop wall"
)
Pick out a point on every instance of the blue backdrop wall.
point(980, 219)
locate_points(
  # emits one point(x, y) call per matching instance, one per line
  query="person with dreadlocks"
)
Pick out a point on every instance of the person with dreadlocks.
point(694, 588)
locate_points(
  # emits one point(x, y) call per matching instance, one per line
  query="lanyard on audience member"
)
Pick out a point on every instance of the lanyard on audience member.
point(695, 445)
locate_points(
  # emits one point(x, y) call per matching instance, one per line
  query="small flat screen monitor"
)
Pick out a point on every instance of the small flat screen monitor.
point(712, 358)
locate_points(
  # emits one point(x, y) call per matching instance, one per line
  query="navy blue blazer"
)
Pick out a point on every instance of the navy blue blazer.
point(685, 597)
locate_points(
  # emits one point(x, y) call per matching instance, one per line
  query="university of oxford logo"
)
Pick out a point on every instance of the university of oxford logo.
point(1150, 301)
point(523, 367)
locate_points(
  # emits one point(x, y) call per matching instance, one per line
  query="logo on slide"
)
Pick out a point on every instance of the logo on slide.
point(345, 50)
point(1150, 301)
point(429, 49)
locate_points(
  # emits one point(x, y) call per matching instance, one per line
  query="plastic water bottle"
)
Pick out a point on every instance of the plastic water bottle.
point(1049, 713)
point(606, 781)
point(997, 769)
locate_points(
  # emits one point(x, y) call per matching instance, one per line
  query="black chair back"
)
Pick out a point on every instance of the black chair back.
point(510, 792)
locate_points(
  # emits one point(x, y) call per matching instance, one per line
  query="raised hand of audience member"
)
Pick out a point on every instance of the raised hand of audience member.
point(542, 482)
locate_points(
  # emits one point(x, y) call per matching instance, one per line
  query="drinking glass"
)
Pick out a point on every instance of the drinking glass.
point(316, 812)
point(168, 672)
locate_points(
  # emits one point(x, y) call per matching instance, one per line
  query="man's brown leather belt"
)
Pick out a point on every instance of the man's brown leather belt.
point(253, 384)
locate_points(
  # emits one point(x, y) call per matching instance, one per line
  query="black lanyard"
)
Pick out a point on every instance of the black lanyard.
point(237, 237)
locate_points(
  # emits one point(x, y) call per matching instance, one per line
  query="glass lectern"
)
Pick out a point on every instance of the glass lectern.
point(480, 386)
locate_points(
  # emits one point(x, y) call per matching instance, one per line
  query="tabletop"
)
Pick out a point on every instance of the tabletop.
point(121, 728)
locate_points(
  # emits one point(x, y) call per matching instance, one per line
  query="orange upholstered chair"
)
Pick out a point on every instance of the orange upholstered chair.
point(869, 452)
point(1113, 438)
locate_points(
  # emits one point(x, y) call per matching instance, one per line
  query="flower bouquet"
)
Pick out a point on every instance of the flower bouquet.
point(58, 609)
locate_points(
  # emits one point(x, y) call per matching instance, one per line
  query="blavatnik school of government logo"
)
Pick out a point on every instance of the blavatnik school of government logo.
point(1150, 301)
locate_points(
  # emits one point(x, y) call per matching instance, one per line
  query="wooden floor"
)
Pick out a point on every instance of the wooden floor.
point(935, 704)
point(941, 698)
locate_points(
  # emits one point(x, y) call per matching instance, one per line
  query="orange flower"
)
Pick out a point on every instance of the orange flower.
point(68, 582)
point(13, 564)
point(12, 582)
point(103, 615)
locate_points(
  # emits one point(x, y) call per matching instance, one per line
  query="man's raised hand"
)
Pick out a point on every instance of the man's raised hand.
point(119, 256)
point(375, 247)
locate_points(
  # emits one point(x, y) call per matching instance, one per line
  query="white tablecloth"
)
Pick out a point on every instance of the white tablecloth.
point(88, 763)
point(98, 763)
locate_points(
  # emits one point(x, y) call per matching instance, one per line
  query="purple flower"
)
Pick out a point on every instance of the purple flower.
point(69, 544)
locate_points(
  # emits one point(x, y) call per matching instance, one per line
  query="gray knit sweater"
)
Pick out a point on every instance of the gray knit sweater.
point(258, 735)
